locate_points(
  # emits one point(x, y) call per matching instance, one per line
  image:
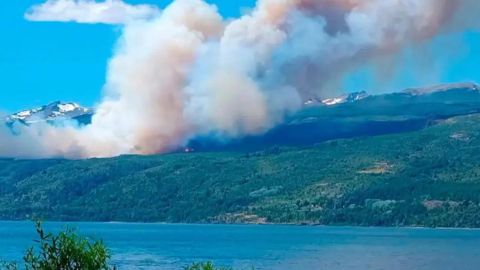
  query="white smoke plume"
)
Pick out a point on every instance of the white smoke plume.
point(189, 72)
point(90, 11)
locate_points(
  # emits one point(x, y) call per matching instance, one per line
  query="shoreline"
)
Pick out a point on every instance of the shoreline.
point(245, 224)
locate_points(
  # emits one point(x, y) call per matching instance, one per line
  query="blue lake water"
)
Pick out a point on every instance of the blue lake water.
point(165, 246)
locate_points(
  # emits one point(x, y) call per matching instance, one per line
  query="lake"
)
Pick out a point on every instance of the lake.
point(171, 246)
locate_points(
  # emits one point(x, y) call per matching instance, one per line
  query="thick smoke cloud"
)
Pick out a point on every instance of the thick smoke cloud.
point(189, 72)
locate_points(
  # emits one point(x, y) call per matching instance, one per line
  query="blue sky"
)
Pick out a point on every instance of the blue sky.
point(449, 58)
point(42, 62)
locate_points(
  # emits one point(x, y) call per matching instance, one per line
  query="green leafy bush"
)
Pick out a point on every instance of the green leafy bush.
point(69, 251)
point(205, 266)
point(8, 266)
point(64, 251)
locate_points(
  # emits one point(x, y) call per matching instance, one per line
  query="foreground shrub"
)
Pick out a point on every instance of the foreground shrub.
point(69, 251)
point(8, 266)
point(64, 251)
point(205, 266)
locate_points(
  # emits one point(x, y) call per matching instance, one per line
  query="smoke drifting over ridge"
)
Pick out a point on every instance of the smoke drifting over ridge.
point(191, 72)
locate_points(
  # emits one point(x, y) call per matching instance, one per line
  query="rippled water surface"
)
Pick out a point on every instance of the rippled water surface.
point(162, 246)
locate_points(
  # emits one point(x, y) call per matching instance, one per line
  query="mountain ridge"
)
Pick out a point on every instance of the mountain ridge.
point(59, 110)
point(52, 112)
point(351, 115)
point(442, 88)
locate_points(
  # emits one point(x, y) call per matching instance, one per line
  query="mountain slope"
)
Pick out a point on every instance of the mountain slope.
point(348, 116)
point(429, 177)
point(372, 115)
point(56, 111)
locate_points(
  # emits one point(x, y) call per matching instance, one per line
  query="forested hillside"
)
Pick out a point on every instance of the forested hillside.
point(429, 177)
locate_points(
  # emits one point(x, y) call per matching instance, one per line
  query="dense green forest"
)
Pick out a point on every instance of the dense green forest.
point(429, 177)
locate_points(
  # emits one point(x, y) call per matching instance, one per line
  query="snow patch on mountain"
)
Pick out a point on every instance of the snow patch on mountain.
point(51, 112)
point(356, 96)
point(347, 98)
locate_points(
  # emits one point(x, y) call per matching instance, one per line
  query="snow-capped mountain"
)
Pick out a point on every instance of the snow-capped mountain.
point(61, 111)
point(351, 97)
point(421, 91)
point(346, 98)
point(56, 111)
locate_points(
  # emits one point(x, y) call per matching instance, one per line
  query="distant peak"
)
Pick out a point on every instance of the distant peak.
point(53, 111)
point(443, 87)
point(346, 98)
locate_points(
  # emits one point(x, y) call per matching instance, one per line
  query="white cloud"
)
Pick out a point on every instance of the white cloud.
point(90, 11)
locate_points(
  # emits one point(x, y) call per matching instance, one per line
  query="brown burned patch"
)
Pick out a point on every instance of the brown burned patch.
point(378, 168)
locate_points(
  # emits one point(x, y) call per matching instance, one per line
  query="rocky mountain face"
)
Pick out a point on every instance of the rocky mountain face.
point(53, 112)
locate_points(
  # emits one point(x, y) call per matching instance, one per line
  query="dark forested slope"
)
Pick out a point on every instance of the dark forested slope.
point(429, 177)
